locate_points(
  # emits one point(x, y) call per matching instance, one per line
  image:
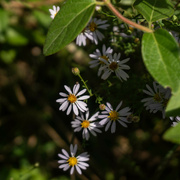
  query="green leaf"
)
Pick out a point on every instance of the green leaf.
point(172, 134)
point(173, 107)
point(16, 37)
point(161, 55)
point(3, 20)
point(154, 10)
point(68, 23)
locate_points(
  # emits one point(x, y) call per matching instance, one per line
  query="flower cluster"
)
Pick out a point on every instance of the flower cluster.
point(109, 63)
point(75, 100)
point(91, 31)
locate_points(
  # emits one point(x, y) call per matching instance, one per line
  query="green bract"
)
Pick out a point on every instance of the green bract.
point(67, 24)
point(172, 134)
point(154, 10)
point(161, 56)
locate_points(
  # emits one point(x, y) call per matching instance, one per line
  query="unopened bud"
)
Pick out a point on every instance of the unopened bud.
point(136, 119)
point(132, 118)
point(131, 28)
point(75, 71)
point(136, 40)
point(102, 107)
point(36, 164)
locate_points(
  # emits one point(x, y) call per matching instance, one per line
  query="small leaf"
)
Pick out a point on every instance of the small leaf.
point(154, 10)
point(172, 134)
point(161, 56)
point(68, 23)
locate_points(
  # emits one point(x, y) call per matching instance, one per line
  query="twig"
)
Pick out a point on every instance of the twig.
point(117, 13)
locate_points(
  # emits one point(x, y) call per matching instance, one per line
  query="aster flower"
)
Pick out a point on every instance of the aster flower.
point(86, 124)
point(93, 29)
point(111, 116)
point(73, 100)
point(158, 100)
point(73, 161)
point(175, 120)
point(81, 39)
point(54, 11)
point(116, 66)
point(97, 56)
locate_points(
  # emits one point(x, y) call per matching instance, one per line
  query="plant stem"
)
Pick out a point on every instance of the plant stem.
point(85, 85)
point(114, 10)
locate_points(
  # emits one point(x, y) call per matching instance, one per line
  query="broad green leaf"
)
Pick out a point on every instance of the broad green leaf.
point(154, 10)
point(173, 134)
point(161, 55)
point(173, 107)
point(68, 23)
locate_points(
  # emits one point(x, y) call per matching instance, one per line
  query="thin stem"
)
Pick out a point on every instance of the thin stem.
point(89, 91)
point(114, 10)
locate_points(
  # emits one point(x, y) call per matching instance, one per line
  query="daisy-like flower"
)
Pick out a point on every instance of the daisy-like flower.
point(110, 116)
point(73, 161)
point(86, 124)
point(97, 56)
point(158, 100)
point(81, 38)
point(175, 120)
point(54, 11)
point(73, 100)
point(116, 66)
point(93, 29)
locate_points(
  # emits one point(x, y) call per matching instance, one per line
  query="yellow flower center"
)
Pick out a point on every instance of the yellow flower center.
point(72, 98)
point(113, 115)
point(72, 161)
point(157, 97)
point(103, 57)
point(85, 124)
point(113, 66)
point(92, 26)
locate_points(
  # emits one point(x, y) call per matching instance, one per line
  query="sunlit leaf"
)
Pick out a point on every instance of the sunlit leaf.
point(172, 134)
point(68, 23)
point(154, 10)
point(161, 56)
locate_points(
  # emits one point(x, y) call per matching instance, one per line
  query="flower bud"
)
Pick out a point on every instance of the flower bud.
point(75, 71)
point(102, 107)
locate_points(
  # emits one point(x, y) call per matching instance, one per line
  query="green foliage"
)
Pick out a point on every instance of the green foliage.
point(172, 134)
point(154, 10)
point(173, 107)
point(16, 37)
point(68, 23)
point(161, 56)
